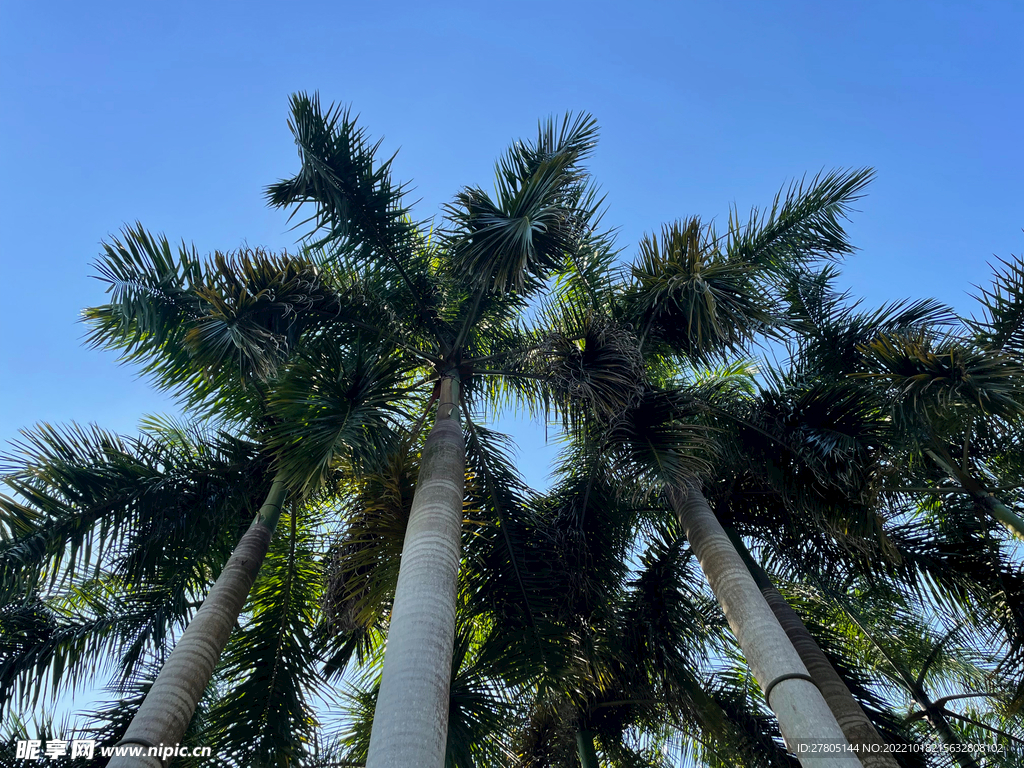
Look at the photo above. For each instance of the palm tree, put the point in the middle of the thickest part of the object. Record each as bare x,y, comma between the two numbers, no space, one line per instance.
453,301
836,433
217,334
715,322
692,298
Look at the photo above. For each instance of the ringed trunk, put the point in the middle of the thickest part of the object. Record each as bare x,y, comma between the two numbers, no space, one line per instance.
804,718
168,707
856,726
410,723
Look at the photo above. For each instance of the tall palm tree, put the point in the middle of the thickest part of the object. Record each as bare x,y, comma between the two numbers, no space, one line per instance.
220,334
455,300
822,425
914,315
693,297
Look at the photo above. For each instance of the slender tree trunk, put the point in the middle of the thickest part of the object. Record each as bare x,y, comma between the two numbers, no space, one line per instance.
165,713
945,732
856,726
410,724
999,511
804,718
587,751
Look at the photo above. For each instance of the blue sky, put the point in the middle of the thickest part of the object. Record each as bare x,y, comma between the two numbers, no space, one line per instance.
174,114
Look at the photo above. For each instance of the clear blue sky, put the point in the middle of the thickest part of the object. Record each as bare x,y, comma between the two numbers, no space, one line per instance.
174,114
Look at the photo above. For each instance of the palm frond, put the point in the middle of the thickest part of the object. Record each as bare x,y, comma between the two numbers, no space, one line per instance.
133,505
687,294
931,375
336,403
542,211
806,224
354,199
1001,326
362,562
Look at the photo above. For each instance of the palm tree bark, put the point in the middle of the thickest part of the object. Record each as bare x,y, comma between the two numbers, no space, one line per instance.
587,751
410,723
856,726
804,718
168,707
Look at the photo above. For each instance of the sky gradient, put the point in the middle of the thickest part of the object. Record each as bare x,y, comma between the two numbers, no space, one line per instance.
174,115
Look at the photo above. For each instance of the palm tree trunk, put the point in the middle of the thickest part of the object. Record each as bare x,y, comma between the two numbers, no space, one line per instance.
168,707
804,718
587,751
856,726
410,724
999,511
941,725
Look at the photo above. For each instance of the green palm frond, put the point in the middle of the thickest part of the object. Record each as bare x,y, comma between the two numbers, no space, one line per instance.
591,275
113,544
480,708
955,561
914,656
150,289
102,627
542,211
831,333
659,439
1001,326
336,403
41,725
691,296
805,224
664,621
42,649
832,428
354,198
741,732
362,562
589,367
91,498
802,459
497,498
214,331
546,737
931,375
256,305
152,305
